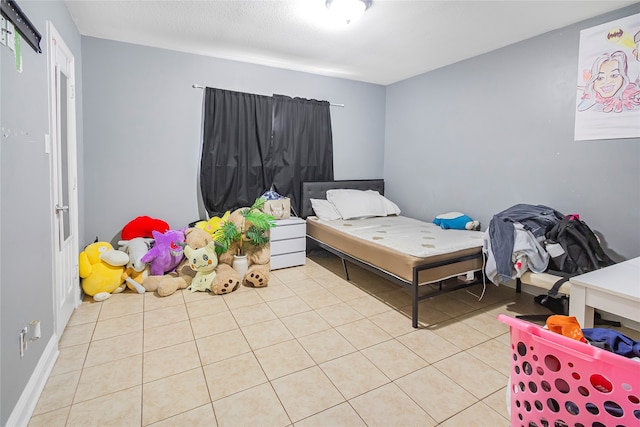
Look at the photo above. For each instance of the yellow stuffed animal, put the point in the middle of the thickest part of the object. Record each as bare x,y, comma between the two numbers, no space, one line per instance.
203,261
101,268
213,225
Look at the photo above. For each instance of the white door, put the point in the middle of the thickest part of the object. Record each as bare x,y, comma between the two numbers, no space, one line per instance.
64,189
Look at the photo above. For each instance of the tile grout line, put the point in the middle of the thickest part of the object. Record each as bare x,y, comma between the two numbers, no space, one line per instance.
493,304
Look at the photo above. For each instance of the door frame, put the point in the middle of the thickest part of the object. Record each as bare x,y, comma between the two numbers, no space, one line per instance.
61,317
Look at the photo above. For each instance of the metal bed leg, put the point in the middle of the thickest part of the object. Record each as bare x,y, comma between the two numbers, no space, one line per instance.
414,308
414,304
344,266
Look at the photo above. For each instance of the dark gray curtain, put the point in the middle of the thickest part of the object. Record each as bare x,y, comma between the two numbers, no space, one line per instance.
302,145
253,142
236,143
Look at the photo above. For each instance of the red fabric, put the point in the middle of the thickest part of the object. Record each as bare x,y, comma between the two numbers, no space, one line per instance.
143,226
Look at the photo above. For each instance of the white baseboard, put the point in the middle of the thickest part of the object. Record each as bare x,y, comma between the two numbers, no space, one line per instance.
23,410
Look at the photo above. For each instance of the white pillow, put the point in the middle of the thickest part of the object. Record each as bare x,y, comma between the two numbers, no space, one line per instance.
357,203
392,208
324,209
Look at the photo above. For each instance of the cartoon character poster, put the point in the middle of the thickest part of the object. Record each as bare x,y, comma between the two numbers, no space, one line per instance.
608,100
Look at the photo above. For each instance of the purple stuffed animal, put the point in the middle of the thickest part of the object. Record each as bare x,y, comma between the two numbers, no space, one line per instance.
166,253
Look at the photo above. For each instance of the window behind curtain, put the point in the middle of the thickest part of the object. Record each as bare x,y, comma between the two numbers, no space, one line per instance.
236,139
251,142
302,145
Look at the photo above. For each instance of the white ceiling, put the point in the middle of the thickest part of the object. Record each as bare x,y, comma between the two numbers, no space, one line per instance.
394,40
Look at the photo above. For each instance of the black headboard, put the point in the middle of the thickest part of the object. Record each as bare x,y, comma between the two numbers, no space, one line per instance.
318,190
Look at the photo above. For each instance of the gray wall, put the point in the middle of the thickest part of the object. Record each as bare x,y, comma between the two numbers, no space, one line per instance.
477,136
143,124
26,287
484,134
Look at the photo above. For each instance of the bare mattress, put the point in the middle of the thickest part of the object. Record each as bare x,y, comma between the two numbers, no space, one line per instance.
398,244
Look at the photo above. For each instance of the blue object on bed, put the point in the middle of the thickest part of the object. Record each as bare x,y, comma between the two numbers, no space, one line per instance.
457,221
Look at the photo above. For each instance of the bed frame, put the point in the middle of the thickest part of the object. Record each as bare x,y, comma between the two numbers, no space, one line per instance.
317,190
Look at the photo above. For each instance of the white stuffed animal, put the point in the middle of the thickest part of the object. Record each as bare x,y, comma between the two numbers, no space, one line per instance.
136,270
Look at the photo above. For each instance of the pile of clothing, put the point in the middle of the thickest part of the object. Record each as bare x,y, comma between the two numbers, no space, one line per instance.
604,338
513,243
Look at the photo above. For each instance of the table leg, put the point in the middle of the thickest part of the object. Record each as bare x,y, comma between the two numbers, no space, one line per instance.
578,306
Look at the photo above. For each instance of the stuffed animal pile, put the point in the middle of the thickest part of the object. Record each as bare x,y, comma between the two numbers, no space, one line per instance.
181,278
152,257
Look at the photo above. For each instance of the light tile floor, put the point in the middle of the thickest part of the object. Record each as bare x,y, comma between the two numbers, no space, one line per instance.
311,349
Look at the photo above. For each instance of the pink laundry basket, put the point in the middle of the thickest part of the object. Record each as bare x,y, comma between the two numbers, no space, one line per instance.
557,381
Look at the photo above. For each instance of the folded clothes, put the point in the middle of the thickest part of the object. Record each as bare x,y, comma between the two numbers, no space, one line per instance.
612,340
272,195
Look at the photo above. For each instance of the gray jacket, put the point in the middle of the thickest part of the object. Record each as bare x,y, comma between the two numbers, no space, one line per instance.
536,219
526,248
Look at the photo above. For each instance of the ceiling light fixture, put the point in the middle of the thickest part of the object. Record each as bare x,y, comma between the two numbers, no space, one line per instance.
348,10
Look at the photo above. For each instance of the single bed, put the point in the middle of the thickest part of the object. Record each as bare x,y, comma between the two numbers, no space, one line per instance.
422,253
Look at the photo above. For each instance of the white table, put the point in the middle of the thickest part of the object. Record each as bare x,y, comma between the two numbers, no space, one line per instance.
614,289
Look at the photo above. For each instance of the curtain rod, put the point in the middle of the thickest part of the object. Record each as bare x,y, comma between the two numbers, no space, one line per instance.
197,86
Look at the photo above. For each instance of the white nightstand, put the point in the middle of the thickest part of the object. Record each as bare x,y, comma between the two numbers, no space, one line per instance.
288,243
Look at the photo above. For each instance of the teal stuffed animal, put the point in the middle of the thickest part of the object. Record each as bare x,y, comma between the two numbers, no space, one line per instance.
456,221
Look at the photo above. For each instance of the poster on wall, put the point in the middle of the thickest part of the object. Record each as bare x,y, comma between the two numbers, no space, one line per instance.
608,98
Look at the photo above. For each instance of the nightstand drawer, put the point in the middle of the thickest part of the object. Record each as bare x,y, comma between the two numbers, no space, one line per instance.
280,247
287,260
288,229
